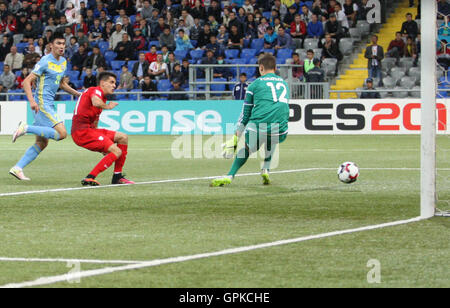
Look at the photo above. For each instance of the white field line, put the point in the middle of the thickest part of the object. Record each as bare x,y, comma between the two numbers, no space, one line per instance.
32,192
108,270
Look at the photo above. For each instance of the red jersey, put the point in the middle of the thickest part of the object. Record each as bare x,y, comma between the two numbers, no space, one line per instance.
85,114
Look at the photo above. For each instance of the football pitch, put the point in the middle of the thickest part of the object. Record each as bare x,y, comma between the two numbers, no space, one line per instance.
173,230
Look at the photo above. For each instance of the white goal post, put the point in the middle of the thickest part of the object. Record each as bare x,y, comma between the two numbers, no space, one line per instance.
428,97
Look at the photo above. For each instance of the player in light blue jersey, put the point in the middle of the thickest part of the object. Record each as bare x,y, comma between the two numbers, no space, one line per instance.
47,74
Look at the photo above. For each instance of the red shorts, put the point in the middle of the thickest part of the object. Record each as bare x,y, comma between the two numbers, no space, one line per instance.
96,140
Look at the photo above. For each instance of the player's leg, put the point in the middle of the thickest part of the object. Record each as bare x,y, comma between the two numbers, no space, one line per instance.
122,143
30,155
108,160
271,144
46,124
251,146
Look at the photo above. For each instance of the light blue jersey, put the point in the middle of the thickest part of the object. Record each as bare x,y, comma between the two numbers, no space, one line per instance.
50,72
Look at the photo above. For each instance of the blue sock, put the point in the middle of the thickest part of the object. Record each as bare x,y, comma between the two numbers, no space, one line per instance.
42,131
31,154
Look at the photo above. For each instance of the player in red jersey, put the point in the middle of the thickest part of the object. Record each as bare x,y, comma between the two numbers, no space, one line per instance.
113,145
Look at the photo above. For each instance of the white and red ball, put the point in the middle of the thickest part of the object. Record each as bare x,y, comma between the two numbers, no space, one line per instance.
348,172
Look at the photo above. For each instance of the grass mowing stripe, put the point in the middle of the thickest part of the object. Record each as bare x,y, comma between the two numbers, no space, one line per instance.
109,270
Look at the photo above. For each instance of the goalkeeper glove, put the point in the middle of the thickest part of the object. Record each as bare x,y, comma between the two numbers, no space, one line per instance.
229,147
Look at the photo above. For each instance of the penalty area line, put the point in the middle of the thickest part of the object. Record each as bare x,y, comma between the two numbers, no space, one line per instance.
147,264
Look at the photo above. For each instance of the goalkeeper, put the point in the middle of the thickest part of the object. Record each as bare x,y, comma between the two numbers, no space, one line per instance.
264,121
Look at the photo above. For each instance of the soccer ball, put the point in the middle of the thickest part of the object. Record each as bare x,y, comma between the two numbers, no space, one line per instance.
348,172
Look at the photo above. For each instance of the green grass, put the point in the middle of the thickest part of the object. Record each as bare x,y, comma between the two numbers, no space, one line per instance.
176,219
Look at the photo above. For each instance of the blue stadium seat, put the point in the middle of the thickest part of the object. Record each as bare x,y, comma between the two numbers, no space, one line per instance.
164,85
134,96
257,44
249,71
180,54
194,43
248,53
18,73
197,54
271,51
131,64
284,53
201,87
231,53
132,19
104,46
1,66
218,87
21,47
78,83
156,43
117,65
267,15
73,75
110,56
16,97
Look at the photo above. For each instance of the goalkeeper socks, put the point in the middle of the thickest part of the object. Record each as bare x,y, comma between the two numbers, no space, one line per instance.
120,162
42,131
241,158
31,154
104,164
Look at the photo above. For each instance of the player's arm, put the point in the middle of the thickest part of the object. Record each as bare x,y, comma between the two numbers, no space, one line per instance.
65,87
98,102
27,85
246,111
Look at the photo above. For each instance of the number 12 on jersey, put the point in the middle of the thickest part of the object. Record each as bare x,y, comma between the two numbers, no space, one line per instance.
274,88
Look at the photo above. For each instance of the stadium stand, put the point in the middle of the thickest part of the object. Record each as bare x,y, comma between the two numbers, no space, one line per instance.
192,47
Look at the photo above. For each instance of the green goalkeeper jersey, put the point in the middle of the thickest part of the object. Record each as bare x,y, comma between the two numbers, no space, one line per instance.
266,106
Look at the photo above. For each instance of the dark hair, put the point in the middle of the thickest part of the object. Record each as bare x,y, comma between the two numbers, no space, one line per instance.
57,36
243,74
103,76
310,51
268,61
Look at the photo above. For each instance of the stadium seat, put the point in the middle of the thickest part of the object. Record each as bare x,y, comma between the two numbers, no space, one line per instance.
271,51
249,71
400,94
18,73
248,53
406,63
355,33
131,64
104,46
78,83
284,53
1,66
231,53
116,65
164,85
317,53
218,87
110,56
364,27
329,66
302,53
73,75
414,72
384,94
416,93
267,15
180,54
387,64
310,43
257,44
407,82
21,47
389,82
16,97
196,54
297,42
194,43
154,43
200,87
346,46
397,73
134,96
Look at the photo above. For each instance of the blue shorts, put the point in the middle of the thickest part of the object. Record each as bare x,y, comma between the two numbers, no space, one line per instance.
46,116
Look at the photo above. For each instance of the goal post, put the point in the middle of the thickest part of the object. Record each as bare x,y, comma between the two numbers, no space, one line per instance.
428,98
